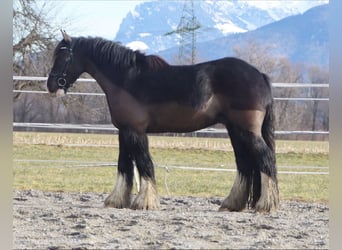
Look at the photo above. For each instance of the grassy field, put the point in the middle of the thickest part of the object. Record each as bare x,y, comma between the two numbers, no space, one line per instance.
79,162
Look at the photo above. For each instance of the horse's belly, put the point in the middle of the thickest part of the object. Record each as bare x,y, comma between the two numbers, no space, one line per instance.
178,118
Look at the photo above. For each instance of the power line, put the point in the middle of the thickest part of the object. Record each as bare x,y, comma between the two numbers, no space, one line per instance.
187,27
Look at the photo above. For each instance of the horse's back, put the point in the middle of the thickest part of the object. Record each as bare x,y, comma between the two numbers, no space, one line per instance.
232,70
233,79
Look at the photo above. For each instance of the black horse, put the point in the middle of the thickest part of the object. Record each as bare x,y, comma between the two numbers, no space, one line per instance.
146,95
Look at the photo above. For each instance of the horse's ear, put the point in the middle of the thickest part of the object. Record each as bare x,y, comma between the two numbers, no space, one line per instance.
66,37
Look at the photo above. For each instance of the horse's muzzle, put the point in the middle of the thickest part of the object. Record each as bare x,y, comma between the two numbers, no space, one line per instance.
60,92
55,90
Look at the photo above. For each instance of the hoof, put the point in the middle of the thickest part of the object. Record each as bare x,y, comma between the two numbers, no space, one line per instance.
237,199
121,195
145,204
116,201
232,205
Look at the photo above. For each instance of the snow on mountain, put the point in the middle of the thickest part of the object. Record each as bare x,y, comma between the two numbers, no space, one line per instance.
137,45
152,22
302,38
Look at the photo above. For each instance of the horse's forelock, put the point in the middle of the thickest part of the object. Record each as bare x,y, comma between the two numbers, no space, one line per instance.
58,47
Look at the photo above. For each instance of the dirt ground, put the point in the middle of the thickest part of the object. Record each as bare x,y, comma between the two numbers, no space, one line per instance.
48,220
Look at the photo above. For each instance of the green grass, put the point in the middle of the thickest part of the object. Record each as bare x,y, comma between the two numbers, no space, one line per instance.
166,151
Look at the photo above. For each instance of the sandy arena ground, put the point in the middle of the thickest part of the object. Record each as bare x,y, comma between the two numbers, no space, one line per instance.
48,220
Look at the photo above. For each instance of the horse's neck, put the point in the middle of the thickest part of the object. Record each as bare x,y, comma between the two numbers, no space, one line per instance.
105,83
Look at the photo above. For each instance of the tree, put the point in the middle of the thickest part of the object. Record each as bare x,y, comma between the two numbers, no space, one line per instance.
279,69
33,43
34,36
290,115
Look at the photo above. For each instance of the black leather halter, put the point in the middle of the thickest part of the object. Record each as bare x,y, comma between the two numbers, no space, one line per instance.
61,77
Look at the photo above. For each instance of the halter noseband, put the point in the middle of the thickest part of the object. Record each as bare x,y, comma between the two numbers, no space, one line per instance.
61,80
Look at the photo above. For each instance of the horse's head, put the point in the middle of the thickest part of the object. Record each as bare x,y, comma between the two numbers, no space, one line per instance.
65,70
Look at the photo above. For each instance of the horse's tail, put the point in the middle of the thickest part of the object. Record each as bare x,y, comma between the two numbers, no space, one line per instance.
268,134
268,123
268,127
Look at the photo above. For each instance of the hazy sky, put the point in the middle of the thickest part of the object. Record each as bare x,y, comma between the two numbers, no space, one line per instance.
95,18
103,18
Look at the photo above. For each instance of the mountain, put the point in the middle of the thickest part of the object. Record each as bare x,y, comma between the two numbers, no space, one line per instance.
302,38
149,23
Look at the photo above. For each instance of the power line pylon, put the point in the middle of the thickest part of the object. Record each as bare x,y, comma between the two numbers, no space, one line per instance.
186,29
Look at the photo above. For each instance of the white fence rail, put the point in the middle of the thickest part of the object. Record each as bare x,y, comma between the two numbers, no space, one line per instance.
99,128
301,170
110,128
282,85
102,94
80,164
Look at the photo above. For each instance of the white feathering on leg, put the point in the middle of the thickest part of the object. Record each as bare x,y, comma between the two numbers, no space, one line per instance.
121,195
237,199
269,198
148,198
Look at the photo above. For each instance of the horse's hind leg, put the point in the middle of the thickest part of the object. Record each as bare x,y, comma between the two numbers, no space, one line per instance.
265,184
121,194
257,175
238,197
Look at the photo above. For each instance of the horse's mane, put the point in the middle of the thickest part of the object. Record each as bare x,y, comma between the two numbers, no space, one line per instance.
155,62
109,52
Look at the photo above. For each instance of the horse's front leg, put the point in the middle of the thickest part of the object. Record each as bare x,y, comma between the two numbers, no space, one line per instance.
147,197
121,194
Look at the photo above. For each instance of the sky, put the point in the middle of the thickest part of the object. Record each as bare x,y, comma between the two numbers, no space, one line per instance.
94,18
103,18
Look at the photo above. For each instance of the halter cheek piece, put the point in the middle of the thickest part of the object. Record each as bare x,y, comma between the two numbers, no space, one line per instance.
61,77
